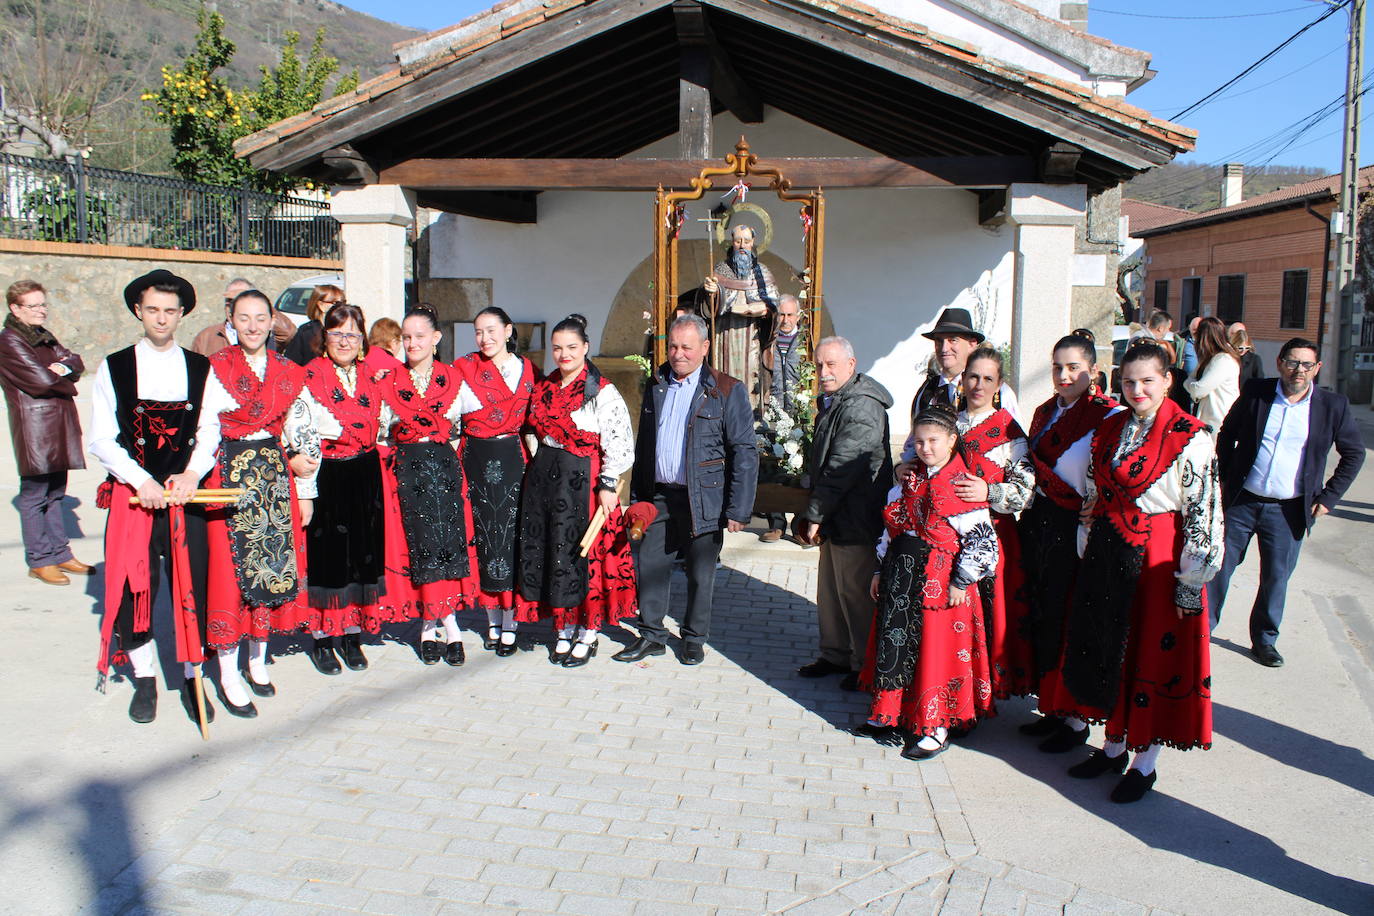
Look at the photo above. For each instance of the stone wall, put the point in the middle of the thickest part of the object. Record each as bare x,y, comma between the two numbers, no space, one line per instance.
86,287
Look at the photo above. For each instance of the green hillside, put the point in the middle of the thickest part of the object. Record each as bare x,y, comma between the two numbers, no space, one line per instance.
1198,187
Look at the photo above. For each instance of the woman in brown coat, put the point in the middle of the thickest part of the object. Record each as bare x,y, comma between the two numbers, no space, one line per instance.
39,377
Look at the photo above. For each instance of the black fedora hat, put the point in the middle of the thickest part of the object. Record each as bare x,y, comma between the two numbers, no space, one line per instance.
185,291
954,323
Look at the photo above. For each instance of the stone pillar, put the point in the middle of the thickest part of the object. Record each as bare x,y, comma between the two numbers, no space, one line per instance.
1045,217
375,219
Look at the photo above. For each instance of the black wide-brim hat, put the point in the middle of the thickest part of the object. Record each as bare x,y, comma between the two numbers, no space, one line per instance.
954,323
185,291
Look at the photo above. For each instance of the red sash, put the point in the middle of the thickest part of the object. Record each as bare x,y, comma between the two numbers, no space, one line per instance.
551,409
1119,487
1049,445
359,415
262,403
999,428
503,411
422,417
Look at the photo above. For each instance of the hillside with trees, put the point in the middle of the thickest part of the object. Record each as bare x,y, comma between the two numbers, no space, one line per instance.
1198,187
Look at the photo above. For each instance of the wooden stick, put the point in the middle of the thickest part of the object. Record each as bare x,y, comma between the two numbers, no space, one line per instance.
593,530
200,497
200,707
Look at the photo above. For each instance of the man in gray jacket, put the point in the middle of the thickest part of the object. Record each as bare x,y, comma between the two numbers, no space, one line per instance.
851,472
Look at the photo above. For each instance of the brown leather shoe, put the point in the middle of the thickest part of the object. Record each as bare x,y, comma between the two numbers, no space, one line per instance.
768,537
49,574
76,566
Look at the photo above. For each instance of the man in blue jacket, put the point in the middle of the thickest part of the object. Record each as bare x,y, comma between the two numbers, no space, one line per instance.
696,460
1272,452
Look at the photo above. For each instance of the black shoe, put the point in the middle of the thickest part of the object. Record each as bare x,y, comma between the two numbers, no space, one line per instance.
326,662
492,639
1098,764
913,750
821,667
691,653
1064,740
143,707
454,654
1268,656
351,645
429,651
247,711
850,682
639,650
188,703
1041,727
556,657
572,660
263,690
1133,787
507,649
887,735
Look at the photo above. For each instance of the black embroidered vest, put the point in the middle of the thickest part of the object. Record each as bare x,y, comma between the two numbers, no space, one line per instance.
159,435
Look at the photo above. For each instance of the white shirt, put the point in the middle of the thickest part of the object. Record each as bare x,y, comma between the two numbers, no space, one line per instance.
511,370
1215,389
1072,466
1275,471
607,415
161,377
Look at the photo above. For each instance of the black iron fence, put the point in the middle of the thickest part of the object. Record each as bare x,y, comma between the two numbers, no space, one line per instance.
59,200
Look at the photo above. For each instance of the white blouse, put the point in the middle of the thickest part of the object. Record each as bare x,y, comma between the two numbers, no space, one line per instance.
309,413
1215,389
1014,493
978,550
1072,466
510,371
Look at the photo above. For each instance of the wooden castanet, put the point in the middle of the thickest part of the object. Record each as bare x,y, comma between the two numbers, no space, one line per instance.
593,530
203,496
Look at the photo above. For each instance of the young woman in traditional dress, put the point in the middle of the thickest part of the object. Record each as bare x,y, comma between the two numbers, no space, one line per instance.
427,575
345,538
1060,449
254,582
584,443
1137,643
495,401
928,655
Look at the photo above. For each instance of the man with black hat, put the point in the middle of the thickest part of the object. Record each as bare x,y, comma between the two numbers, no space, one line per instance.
149,432
955,338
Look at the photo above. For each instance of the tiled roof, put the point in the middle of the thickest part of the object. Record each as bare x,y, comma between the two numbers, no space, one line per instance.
1145,215
1307,191
511,17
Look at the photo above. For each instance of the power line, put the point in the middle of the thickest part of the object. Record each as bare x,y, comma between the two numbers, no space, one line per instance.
1235,95
1291,9
1250,69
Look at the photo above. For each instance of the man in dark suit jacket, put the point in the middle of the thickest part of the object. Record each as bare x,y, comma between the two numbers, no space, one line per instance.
696,460
1272,451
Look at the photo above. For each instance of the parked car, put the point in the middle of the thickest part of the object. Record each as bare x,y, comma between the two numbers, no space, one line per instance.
292,300
1121,335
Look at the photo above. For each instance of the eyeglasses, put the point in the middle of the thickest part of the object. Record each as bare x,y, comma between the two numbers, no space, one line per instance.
37,307
1293,365
344,337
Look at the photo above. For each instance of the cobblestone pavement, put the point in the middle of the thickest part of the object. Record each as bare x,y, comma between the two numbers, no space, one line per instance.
728,788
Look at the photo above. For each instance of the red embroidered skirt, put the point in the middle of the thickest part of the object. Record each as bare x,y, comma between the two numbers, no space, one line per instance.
1009,647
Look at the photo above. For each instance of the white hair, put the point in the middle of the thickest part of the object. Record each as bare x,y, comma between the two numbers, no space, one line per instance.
845,346
788,297
692,321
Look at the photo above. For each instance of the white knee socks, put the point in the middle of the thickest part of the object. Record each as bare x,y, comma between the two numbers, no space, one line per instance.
229,680
1076,724
257,661
452,632
1144,761
428,630
933,742
508,620
1114,749
142,659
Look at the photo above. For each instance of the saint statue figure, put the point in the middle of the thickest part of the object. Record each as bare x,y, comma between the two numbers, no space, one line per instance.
745,298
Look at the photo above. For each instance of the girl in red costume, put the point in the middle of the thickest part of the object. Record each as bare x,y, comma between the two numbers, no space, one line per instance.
1137,643
1060,449
495,400
427,575
585,443
254,581
928,661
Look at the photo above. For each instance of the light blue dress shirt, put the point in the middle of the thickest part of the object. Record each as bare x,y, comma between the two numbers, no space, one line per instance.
1275,473
670,456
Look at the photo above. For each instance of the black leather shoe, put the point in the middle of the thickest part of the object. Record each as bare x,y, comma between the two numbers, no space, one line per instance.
850,682
821,667
887,735
1133,787
507,649
639,650
247,711
1268,656
1098,764
454,654
326,662
913,750
143,707
429,652
556,657
692,653
1064,740
351,645
188,703
1041,727
572,660
492,639
263,690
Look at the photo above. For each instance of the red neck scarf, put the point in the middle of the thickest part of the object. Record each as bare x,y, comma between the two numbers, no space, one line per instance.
422,417
1049,445
503,411
358,414
262,403
1119,487
551,409
926,505
998,428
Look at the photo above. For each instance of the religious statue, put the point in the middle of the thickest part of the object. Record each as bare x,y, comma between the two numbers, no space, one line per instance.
744,297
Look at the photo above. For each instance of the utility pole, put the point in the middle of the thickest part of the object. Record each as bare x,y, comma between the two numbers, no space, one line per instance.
1345,319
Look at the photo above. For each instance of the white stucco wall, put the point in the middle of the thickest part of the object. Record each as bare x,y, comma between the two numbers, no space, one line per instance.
893,259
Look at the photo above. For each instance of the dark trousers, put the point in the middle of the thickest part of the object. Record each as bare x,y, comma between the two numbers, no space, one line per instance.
777,522
1246,518
670,535
160,556
40,519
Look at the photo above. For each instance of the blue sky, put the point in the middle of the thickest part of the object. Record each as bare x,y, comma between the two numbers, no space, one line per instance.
1261,120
